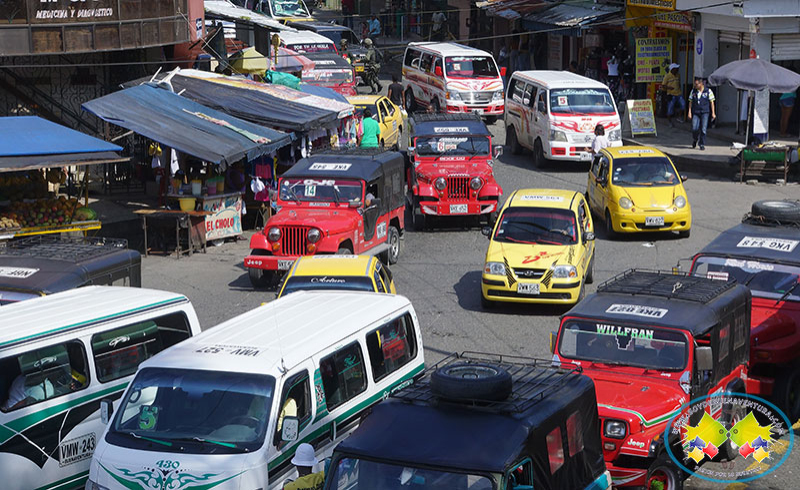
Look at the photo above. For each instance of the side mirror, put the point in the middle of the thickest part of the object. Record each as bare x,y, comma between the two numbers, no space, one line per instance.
684,178
106,410
438,71
355,203
704,359
588,236
486,231
290,429
503,71
497,151
600,180
553,338
410,149
376,202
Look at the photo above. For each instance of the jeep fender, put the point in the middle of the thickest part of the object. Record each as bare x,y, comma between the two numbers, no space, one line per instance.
491,189
425,190
259,240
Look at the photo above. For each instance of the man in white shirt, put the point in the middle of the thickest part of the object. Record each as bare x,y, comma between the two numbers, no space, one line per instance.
20,395
600,139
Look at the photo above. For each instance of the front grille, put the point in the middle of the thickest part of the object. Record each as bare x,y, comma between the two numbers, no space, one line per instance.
513,294
294,240
477,97
458,187
528,273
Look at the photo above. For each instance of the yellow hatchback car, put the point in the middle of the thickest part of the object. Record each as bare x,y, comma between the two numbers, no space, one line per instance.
388,115
341,272
637,188
541,249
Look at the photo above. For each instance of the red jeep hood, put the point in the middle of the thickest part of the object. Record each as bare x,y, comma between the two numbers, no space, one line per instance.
628,392
333,220
450,167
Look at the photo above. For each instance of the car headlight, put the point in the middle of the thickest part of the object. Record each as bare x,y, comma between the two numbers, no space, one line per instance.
453,96
314,235
565,272
90,485
625,203
497,95
274,234
615,135
475,183
495,268
440,183
615,429
680,202
556,135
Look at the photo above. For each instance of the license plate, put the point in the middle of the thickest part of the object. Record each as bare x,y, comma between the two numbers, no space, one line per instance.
458,209
654,221
531,288
477,111
285,265
359,68
77,449
586,157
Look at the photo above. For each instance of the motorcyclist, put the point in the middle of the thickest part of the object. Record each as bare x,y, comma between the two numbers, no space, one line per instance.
371,66
344,50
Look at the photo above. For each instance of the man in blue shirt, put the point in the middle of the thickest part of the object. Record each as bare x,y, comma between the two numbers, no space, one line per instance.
374,27
701,107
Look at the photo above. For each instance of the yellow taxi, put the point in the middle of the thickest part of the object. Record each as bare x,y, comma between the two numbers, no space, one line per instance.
348,272
637,188
388,115
541,249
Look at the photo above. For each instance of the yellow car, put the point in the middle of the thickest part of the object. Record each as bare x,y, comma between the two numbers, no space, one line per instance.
348,272
541,249
637,188
388,115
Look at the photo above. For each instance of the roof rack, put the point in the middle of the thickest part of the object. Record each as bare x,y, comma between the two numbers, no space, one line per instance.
367,152
757,219
532,381
73,249
425,117
671,285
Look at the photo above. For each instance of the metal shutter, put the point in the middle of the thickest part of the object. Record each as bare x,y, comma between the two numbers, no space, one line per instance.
785,47
734,37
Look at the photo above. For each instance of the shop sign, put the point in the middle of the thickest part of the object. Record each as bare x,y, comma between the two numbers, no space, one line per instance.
71,11
653,4
225,219
554,57
653,56
677,21
594,40
642,118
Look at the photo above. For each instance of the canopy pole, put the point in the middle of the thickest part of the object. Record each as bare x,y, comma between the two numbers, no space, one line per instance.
749,117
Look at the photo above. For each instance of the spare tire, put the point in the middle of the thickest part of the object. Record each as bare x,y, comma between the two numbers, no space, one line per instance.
784,210
471,381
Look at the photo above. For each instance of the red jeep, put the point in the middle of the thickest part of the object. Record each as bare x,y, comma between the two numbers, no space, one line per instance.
346,202
652,342
763,253
451,168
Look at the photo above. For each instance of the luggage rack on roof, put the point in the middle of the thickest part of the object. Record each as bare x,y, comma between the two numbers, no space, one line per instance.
73,249
532,380
367,152
672,285
426,117
757,219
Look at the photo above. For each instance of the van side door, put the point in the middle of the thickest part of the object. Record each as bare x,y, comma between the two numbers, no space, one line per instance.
541,119
295,401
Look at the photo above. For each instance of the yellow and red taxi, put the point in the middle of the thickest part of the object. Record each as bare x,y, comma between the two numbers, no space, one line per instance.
346,272
389,117
637,188
541,249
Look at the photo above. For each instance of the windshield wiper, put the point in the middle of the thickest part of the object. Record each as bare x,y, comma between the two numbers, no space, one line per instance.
201,440
787,293
336,194
293,194
151,439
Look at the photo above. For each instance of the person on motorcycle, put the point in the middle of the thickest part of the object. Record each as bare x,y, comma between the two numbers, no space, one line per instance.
371,67
344,51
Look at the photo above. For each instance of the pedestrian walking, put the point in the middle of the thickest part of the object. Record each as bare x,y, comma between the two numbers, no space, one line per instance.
371,131
371,67
672,86
701,109
437,30
787,105
396,91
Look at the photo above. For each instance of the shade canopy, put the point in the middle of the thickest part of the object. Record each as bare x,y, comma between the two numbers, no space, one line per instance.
185,125
289,61
756,74
249,60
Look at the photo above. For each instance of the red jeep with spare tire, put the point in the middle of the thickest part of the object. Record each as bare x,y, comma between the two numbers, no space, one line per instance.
339,202
763,253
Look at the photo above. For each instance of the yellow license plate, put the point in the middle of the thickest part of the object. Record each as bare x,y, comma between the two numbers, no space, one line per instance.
359,68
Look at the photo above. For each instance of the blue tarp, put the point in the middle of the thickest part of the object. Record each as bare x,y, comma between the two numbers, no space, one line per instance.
31,135
183,124
326,92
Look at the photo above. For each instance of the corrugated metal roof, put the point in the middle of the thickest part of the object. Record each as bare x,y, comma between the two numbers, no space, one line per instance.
227,10
572,15
512,9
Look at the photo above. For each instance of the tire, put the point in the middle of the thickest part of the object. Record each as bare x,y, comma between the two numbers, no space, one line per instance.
491,120
730,415
471,381
785,210
663,470
786,394
410,102
491,219
394,246
437,108
539,161
610,233
590,274
260,278
511,141
685,234
344,251
418,220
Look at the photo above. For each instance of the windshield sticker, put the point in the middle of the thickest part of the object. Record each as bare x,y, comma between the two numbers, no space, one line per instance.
337,167
450,129
319,204
311,190
631,152
327,280
17,272
541,198
562,100
234,350
457,66
749,265
777,244
148,416
638,310
624,335
717,276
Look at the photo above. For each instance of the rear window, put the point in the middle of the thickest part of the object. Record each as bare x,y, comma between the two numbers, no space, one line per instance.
350,283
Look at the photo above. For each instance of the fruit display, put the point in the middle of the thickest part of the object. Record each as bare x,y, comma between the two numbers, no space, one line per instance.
18,186
9,224
46,212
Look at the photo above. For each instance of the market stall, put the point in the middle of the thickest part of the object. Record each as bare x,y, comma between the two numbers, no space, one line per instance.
35,158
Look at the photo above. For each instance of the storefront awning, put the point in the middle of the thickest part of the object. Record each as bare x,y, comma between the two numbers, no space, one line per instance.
185,125
572,18
225,10
511,9
31,142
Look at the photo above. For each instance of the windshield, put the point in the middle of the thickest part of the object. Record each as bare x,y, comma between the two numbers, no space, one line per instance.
584,101
452,145
312,48
649,172
322,190
470,67
350,283
631,345
8,297
765,279
537,225
289,8
195,411
352,473
336,76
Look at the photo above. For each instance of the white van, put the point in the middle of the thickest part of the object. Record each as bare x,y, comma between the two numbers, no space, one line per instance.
452,78
59,355
306,42
554,113
228,408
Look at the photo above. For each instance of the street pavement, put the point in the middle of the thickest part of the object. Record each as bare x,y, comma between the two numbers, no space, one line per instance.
440,270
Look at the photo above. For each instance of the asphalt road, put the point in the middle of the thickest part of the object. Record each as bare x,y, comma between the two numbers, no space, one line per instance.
439,271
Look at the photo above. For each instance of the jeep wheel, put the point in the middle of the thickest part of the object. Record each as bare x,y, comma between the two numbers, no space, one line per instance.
730,415
393,241
787,392
778,210
260,278
539,160
411,104
437,108
663,475
471,381
512,142
418,220
344,251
